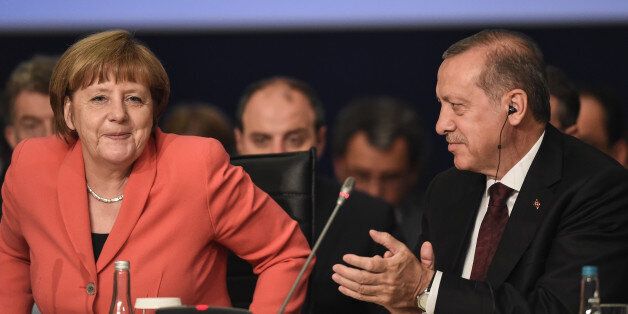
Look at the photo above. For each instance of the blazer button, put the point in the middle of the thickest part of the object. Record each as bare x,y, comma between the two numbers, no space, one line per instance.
91,288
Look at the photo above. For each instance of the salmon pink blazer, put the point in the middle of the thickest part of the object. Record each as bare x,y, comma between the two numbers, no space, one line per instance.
184,207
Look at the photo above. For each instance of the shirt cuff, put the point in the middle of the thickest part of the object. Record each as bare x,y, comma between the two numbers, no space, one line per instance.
431,298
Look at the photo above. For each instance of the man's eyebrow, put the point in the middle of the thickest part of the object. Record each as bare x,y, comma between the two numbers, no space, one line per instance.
296,131
29,118
260,134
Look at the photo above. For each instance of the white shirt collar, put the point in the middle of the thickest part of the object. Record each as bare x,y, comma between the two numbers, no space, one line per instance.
516,175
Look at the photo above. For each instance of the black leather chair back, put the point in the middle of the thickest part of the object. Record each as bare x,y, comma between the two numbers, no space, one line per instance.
289,179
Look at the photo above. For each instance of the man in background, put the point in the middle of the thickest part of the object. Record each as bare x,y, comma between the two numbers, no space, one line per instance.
564,101
27,111
378,141
200,119
601,123
28,104
282,114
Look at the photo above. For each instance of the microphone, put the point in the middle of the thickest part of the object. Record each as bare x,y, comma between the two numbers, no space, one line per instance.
345,192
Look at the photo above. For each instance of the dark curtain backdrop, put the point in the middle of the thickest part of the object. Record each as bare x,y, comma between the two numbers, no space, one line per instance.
340,65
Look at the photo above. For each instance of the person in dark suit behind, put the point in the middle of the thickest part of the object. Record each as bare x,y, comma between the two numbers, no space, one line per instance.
378,140
282,114
601,123
507,230
564,101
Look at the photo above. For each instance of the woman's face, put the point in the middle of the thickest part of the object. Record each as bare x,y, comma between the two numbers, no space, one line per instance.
113,121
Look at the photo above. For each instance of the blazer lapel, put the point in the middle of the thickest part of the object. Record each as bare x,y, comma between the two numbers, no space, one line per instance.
459,226
135,195
534,199
72,194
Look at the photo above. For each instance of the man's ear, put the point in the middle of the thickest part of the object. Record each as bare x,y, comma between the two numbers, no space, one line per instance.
67,113
9,135
238,140
321,141
517,99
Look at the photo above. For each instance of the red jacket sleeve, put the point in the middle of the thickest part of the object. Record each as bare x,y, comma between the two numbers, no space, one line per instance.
15,290
249,223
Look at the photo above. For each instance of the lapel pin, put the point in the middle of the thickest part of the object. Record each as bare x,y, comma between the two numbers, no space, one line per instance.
537,203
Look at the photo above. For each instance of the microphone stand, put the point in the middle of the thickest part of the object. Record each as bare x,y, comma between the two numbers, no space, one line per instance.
347,186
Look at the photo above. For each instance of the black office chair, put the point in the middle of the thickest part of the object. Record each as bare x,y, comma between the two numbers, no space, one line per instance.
289,179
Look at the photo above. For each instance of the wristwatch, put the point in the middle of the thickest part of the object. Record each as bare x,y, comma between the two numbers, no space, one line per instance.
421,299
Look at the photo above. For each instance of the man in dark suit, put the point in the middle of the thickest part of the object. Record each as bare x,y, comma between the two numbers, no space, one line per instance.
282,114
509,228
601,122
564,101
378,140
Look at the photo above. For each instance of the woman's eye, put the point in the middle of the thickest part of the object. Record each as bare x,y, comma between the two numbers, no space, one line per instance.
135,99
98,98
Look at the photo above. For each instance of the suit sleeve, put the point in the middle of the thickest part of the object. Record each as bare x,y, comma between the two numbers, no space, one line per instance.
249,223
15,290
591,230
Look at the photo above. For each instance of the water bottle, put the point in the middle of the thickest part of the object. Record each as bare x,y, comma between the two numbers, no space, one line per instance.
589,291
121,299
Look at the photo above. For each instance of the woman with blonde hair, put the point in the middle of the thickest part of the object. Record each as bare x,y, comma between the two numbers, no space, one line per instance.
111,186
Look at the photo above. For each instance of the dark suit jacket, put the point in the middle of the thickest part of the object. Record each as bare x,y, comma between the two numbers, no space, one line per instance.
582,220
347,234
408,218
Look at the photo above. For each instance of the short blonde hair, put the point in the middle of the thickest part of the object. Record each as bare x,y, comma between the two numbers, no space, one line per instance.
93,59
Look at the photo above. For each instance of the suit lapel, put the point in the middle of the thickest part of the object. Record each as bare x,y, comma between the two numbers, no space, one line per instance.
135,195
534,199
462,221
72,194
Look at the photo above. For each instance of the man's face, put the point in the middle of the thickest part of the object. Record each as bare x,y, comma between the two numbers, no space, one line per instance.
380,173
591,122
278,119
32,117
468,118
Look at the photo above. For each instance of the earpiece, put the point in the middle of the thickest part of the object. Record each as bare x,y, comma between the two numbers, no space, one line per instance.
511,110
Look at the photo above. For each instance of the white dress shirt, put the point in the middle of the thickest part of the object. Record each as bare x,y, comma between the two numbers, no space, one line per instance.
513,179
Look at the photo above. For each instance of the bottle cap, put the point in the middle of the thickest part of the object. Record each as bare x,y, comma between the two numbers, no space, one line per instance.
121,265
589,270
